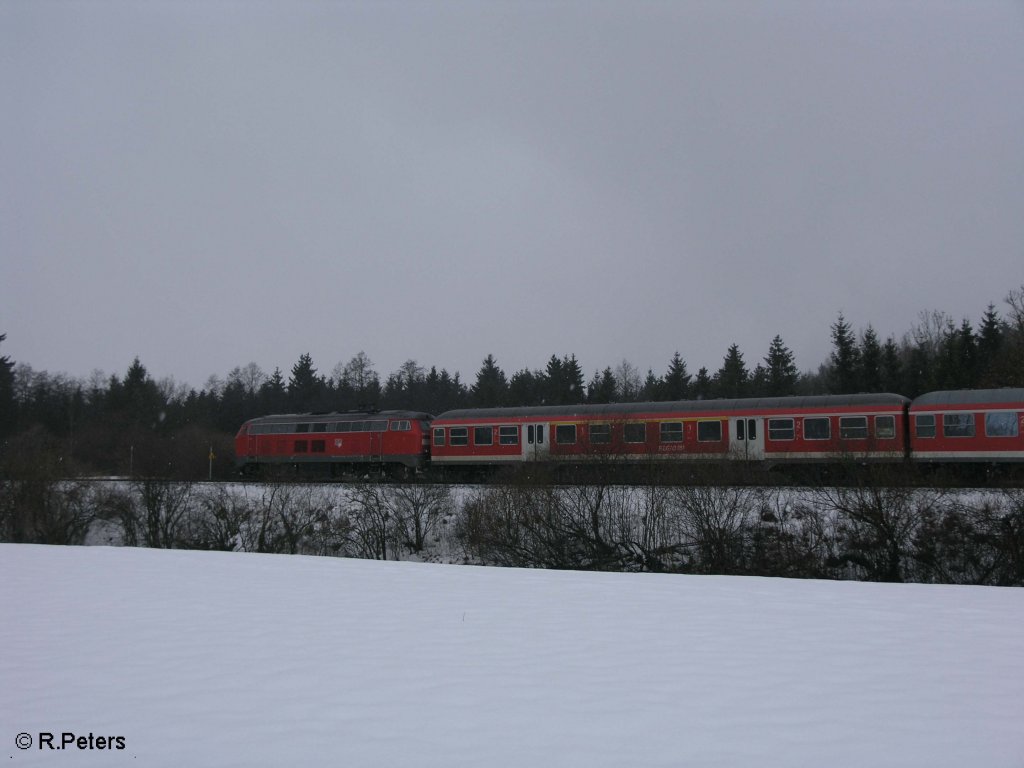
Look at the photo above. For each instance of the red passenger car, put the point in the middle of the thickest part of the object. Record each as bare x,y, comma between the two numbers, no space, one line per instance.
395,441
978,425
779,430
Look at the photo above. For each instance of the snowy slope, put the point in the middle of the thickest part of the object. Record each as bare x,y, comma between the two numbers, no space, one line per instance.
254,660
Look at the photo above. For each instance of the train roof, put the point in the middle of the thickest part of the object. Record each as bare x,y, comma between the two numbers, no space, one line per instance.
342,416
970,397
675,406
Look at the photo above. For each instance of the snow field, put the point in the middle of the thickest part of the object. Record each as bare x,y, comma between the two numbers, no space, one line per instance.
226,659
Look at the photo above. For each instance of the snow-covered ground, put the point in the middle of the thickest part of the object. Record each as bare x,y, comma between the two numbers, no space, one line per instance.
222,659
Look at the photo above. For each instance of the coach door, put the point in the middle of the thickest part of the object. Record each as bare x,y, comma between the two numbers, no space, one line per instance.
747,437
535,441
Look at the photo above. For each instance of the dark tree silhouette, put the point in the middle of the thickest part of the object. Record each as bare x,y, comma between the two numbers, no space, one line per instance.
491,388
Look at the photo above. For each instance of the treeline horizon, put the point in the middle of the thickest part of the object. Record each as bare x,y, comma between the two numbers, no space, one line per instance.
134,424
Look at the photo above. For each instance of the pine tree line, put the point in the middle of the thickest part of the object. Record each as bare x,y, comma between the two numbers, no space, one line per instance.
129,423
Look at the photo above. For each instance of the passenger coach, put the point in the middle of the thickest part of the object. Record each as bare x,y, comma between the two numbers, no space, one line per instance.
778,430
975,425
392,441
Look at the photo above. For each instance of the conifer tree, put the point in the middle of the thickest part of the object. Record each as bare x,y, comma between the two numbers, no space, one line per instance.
304,386
526,388
780,373
491,388
892,367
870,358
732,379
702,385
845,363
7,404
990,342
603,388
676,384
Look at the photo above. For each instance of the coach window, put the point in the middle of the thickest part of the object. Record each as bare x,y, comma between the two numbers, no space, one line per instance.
508,435
924,425
672,432
885,427
709,431
635,433
781,429
483,436
565,434
439,436
817,429
458,436
1001,425
853,427
958,424
600,434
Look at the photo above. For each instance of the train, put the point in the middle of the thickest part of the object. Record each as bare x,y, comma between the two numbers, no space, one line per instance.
962,427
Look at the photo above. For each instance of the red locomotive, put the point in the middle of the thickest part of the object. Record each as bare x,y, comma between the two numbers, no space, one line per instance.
393,441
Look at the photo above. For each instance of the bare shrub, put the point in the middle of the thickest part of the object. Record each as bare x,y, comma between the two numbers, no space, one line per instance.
876,526
153,511
418,510
974,541
790,538
715,523
216,519
282,519
584,527
36,506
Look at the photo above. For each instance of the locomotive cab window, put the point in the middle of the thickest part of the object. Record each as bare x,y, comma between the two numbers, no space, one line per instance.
1001,425
458,436
818,428
565,434
924,425
958,424
853,427
483,435
401,426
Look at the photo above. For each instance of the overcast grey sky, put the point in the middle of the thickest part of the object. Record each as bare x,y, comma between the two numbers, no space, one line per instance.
205,184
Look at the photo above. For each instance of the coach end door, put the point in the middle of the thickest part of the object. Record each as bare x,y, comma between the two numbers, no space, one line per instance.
536,442
747,437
